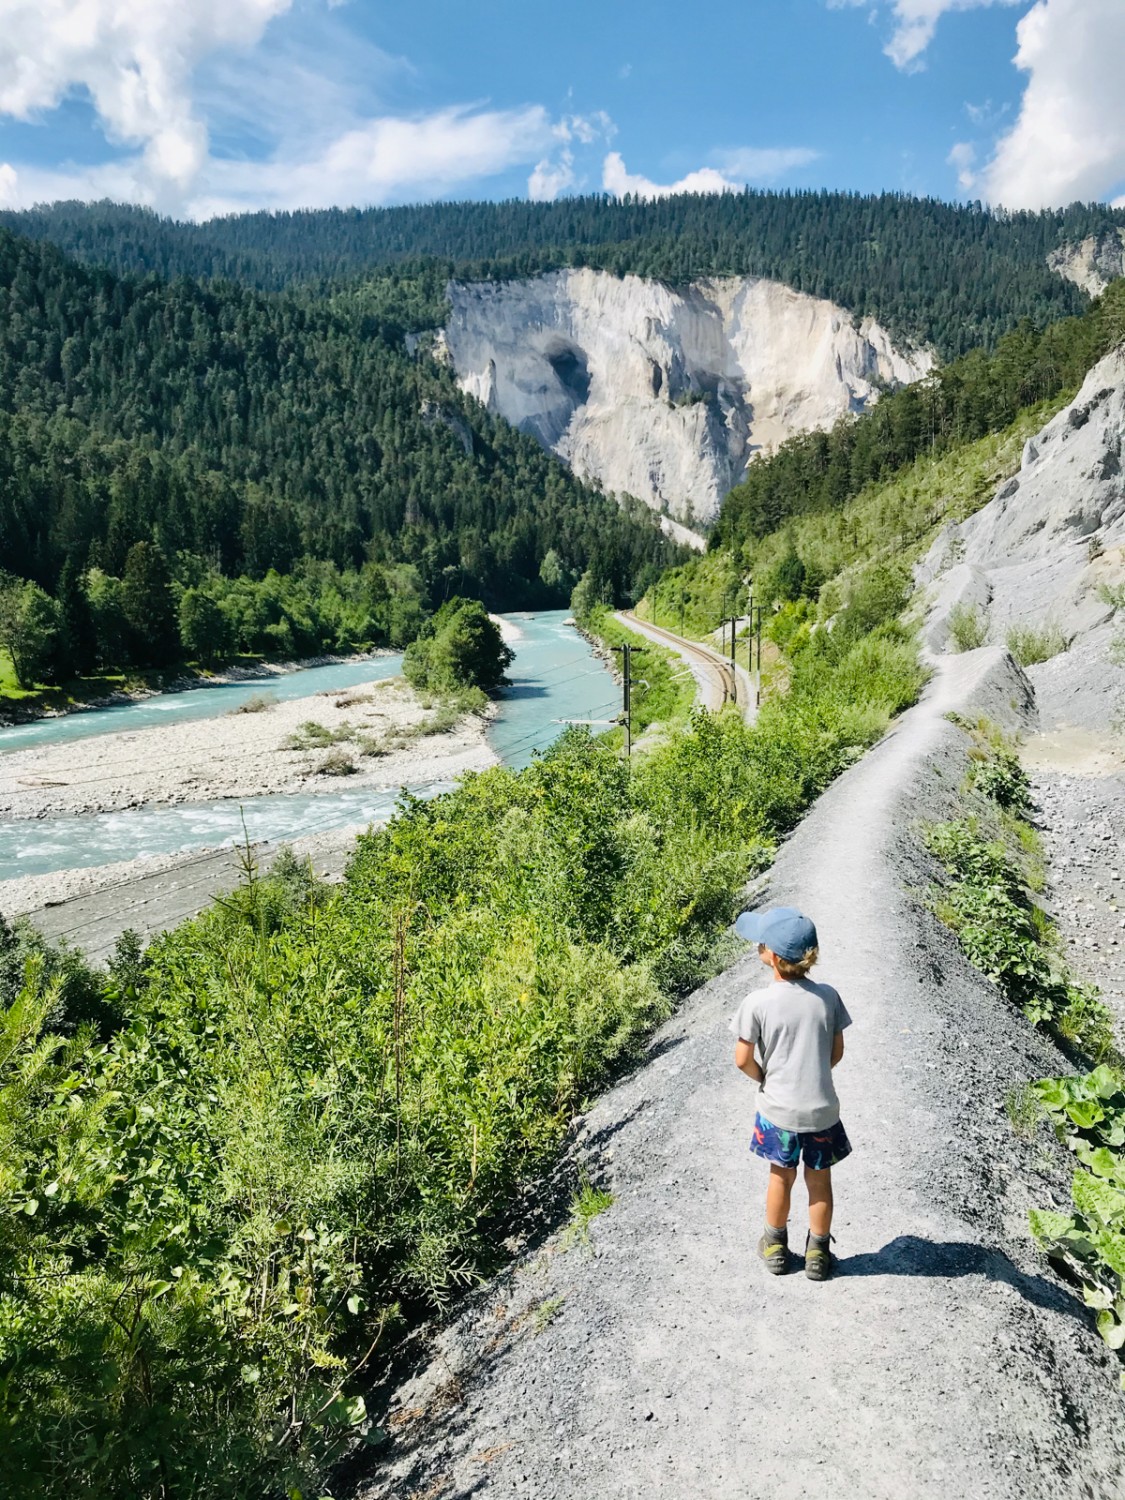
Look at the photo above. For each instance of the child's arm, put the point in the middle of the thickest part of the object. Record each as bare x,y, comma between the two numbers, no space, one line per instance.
745,1062
837,1048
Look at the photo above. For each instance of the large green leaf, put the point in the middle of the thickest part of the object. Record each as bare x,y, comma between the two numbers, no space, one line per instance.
1110,1245
1099,1200
1102,1162
1111,1329
1048,1226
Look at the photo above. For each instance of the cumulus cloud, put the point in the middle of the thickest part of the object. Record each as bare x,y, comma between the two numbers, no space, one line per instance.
731,172
1068,141
550,178
915,24
165,78
383,159
135,59
557,174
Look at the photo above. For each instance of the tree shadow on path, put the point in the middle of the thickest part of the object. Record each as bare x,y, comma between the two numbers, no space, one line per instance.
910,1255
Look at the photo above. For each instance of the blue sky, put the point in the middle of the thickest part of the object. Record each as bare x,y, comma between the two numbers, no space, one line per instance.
204,106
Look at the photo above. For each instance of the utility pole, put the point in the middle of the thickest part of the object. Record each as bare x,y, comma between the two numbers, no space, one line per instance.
756,633
683,596
627,654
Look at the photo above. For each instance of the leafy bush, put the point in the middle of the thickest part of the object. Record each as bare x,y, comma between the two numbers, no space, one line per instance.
968,627
1030,644
1088,1114
986,901
1000,777
337,763
461,647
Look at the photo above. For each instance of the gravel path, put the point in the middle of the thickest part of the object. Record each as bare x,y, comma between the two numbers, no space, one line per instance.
944,1361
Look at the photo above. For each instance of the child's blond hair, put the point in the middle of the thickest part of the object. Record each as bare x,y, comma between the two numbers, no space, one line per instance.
796,968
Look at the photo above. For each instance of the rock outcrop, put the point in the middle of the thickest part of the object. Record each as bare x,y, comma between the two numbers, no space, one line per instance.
1048,552
1092,263
664,393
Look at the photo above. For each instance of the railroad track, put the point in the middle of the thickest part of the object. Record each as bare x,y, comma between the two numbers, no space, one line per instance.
717,681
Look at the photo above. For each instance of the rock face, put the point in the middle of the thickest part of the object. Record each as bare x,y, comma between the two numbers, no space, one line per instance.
1093,263
663,393
1049,551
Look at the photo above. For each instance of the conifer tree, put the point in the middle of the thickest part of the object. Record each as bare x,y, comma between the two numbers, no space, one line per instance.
149,606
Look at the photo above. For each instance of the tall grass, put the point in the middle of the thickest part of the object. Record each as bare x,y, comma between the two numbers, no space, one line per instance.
1031,644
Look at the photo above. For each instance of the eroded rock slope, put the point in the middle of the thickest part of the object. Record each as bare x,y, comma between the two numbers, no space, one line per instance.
666,393
1048,550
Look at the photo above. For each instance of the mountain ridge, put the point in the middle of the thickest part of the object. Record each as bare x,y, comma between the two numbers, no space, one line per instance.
956,276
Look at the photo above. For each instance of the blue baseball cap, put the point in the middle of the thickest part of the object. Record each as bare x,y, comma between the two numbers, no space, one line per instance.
782,929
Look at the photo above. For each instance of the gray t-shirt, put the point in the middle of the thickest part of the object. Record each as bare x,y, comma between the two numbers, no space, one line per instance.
793,1024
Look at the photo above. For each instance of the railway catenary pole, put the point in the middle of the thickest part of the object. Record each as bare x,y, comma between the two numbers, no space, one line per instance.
627,654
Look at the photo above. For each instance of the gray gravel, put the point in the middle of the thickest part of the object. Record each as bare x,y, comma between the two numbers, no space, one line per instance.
945,1360
1082,820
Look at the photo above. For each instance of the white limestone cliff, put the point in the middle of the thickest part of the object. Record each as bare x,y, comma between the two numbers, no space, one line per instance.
1092,263
666,393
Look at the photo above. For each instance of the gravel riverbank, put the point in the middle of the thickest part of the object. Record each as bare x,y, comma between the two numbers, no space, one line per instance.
244,755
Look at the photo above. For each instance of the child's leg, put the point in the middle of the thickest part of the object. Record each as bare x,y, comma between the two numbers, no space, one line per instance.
778,1193
819,1184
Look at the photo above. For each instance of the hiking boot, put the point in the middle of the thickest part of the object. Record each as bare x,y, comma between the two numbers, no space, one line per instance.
773,1252
819,1260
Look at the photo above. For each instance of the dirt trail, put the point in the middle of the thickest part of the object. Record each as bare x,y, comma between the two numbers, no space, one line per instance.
944,1361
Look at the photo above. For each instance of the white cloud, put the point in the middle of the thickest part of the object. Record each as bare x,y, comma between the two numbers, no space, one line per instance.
166,78
963,156
379,161
1068,141
550,178
915,24
763,163
731,172
383,159
135,59
617,180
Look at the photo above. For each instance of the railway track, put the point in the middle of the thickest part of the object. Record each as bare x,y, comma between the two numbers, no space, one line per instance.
717,682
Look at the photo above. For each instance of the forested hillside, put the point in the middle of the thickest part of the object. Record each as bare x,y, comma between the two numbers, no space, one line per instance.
951,275
252,430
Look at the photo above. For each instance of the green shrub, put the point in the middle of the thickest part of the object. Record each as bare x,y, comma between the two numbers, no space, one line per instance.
1031,644
461,647
968,627
313,736
337,763
1088,1114
1001,777
260,703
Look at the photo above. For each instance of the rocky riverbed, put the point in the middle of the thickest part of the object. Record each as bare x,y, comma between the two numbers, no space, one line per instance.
376,734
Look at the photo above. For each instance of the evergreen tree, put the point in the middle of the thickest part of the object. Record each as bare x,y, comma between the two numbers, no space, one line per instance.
78,650
150,612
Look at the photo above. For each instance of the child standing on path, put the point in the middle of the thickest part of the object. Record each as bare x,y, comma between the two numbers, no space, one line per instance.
798,1028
